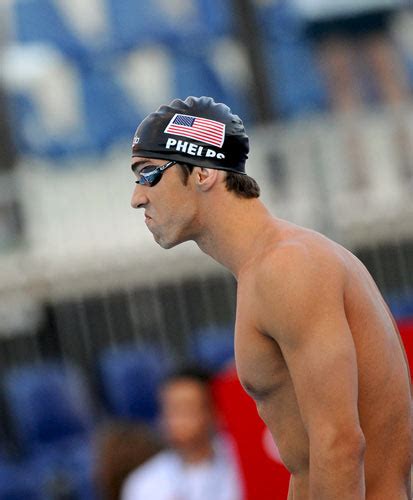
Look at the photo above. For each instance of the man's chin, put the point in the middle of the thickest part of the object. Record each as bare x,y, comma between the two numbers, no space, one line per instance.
166,245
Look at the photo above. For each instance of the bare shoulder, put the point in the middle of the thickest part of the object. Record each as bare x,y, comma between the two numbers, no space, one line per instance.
306,257
302,277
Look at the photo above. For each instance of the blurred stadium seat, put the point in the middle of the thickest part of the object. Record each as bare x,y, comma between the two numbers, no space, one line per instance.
170,22
66,469
218,17
96,110
194,73
40,21
295,79
213,347
109,116
48,403
227,60
62,110
19,482
401,305
156,74
130,377
297,86
50,411
46,101
278,20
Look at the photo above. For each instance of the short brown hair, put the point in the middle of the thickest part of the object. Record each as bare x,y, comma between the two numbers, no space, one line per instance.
243,186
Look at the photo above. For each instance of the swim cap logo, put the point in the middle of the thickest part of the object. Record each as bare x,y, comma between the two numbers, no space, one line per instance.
136,140
200,129
190,148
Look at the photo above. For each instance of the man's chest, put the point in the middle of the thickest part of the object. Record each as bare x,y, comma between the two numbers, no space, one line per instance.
260,364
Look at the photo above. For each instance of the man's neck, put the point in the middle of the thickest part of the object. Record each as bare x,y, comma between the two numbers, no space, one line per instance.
196,455
232,230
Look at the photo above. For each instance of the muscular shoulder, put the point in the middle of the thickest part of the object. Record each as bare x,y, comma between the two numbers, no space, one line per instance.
305,260
298,279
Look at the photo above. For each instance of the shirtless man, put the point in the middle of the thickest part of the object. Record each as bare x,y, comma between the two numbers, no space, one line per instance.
315,344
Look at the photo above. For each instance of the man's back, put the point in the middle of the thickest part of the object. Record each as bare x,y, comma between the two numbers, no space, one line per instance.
384,405
268,372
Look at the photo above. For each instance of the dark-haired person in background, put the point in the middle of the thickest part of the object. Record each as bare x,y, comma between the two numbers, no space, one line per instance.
315,344
198,463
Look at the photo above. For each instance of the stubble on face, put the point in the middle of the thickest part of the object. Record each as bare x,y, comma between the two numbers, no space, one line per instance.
174,212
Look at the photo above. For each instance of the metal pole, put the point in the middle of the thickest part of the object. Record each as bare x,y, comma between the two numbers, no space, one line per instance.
248,28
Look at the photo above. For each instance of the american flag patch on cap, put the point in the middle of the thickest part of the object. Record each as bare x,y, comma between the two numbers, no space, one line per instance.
194,127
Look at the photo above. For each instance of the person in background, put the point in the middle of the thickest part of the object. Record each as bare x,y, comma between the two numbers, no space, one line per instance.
351,35
356,52
198,464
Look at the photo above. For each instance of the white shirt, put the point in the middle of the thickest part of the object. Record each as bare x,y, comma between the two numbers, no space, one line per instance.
166,477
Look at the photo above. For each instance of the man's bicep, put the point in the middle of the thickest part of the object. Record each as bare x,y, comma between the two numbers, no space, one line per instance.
302,298
322,362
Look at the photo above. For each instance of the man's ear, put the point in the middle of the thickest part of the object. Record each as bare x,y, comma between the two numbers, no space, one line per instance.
205,178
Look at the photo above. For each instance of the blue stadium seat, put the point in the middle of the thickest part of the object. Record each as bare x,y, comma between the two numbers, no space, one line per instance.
135,24
40,21
130,379
106,115
401,304
184,71
19,481
66,469
195,74
213,347
218,17
278,20
48,403
31,137
109,115
297,85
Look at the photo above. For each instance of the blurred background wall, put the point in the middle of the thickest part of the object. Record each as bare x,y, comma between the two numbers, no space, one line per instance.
81,279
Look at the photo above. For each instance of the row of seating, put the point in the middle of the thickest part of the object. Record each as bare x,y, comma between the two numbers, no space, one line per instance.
52,420
60,109
122,26
53,415
96,47
90,84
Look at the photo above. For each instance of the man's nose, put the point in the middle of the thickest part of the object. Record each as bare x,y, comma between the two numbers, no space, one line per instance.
139,197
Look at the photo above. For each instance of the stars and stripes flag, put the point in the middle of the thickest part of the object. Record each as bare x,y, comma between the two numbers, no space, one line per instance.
194,127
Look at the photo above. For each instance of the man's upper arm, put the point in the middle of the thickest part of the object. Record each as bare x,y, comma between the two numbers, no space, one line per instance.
303,310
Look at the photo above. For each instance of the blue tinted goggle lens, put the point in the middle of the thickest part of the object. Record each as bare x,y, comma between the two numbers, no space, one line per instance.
152,177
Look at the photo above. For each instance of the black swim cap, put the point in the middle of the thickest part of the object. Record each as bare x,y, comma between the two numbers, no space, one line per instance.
198,131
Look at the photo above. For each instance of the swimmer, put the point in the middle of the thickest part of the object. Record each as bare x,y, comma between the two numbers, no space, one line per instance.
316,346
